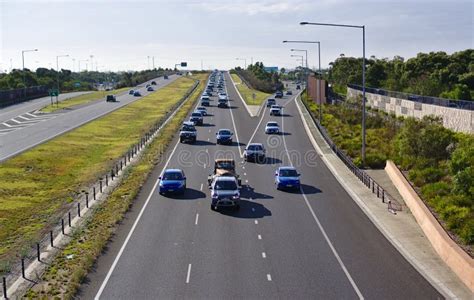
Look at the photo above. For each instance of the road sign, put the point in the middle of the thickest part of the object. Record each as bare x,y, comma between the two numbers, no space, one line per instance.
184,64
53,92
77,84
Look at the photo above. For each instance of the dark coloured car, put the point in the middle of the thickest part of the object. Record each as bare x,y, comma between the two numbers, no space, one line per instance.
172,181
196,118
289,92
150,89
279,94
153,83
270,102
111,98
254,152
222,103
224,136
187,133
298,87
165,76
131,92
137,94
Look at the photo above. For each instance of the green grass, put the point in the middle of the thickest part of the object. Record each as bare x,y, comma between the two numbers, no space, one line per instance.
248,93
82,99
40,183
63,276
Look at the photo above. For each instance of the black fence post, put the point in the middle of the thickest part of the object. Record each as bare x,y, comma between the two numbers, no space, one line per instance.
121,165
383,196
100,185
93,192
378,195
106,180
69,218
51,238
87,199
62,226
5,288
38,252
112,174
22,268
116,169
79,209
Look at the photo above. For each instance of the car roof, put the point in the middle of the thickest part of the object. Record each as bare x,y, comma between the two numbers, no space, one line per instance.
222,129
225,178
224,159
272,123
188,123
173,171
287,168
201,108
255,144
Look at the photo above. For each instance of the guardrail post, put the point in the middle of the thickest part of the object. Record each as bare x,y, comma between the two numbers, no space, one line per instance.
51,238
5,288
62,226
373,187
38,257
93,192
79,209
22,268
106,180
87,199
69,218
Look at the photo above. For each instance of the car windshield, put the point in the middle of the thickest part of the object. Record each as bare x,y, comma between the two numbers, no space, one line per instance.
201,108
272,124
288,173
172,176
255,147
224,132
226,165
188,128
225,185
196,114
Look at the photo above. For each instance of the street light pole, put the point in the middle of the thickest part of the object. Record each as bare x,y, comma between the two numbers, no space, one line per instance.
23,61
320,73
306,71
302,59
363,74
245,61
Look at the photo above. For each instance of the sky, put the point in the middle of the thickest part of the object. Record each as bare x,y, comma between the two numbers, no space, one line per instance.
121,35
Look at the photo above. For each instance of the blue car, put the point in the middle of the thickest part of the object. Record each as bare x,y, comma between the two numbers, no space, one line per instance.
224,136
287,178
172,181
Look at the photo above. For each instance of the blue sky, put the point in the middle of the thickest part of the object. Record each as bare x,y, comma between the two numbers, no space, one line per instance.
121,34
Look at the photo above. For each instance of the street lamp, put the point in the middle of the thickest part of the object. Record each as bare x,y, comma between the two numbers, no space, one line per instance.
23,60
244,59
320,74
363,74
57,72
306,70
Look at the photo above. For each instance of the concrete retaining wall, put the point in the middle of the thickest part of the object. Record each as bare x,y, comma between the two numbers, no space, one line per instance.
458,260
453,118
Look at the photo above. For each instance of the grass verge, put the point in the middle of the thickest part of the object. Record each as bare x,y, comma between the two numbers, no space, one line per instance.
251,96
42,183
82,99
63,277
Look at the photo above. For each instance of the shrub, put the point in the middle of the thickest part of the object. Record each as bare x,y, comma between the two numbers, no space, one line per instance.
426,175
375,160
432,190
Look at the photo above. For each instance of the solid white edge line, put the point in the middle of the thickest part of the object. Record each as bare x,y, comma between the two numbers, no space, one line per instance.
258,125
189,273
328,241
119,254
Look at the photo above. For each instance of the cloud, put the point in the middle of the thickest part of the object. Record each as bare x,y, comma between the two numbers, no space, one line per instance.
252,8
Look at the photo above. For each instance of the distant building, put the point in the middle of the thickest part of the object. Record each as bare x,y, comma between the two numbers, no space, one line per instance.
271,69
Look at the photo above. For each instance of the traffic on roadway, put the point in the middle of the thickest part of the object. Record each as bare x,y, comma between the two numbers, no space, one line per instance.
244,207
22,127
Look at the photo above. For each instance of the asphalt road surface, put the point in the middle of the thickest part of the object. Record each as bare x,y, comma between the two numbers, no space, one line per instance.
307,244
21,128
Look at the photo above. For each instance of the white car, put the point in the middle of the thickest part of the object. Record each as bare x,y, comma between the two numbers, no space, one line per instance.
225,192
276,110
202,109
272,128
222,96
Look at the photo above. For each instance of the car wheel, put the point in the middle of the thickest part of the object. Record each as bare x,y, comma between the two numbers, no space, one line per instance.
213,208
237,207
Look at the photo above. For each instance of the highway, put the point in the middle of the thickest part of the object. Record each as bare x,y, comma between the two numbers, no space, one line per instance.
308,244
22,128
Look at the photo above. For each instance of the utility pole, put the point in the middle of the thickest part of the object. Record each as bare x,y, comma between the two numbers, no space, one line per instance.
23,60
153,62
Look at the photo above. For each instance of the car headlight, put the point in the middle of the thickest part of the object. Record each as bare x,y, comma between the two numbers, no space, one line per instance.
236,196
215,196
161,183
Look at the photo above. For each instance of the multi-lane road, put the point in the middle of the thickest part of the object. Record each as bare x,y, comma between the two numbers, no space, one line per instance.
308,244
21,127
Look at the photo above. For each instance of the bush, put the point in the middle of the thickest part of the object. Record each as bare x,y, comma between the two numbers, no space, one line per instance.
431,190
375,160
420,177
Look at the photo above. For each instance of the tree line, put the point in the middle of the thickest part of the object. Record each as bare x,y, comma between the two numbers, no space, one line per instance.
260,79
74,81
434,74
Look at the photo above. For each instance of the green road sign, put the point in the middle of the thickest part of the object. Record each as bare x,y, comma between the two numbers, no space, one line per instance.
53,92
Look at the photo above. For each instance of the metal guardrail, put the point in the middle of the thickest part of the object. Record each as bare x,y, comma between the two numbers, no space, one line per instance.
369,182
61,222
461,104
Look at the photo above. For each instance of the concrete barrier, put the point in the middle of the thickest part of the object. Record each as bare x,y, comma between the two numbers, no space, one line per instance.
455,257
